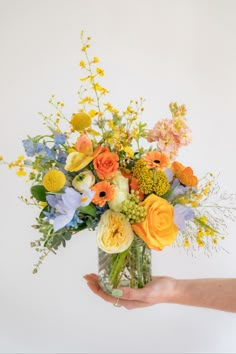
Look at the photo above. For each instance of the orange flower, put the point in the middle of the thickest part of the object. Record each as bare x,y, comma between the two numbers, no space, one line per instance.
106,164
134,185
155,159
104,192
126,173
158,229
184,174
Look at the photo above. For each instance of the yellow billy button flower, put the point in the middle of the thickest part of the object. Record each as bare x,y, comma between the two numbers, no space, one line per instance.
114,233
80,121
54,180
1,158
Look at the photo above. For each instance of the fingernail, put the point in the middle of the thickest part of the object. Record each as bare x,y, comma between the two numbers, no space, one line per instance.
117,292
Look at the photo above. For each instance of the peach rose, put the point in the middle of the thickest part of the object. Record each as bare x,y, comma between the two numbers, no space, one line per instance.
158,229
106,164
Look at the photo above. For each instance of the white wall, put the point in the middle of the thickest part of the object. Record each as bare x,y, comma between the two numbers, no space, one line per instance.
181,50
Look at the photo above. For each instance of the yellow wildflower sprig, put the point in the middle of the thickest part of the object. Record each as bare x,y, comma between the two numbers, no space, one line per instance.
98,90
20,165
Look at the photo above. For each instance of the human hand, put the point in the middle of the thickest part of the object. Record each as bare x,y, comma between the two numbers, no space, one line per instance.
159,290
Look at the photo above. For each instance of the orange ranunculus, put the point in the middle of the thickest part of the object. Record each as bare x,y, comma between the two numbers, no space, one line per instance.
106,164
184,174
158,229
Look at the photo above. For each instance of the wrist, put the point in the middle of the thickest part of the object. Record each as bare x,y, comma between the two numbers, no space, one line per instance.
175,290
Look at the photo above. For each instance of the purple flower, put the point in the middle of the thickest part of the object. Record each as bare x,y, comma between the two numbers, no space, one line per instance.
169,174
181,215
66,205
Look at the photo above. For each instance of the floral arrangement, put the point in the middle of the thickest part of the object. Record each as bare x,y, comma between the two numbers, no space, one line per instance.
92,171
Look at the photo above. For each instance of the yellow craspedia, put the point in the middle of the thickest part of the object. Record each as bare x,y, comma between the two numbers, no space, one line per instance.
161,184
80,121
54,180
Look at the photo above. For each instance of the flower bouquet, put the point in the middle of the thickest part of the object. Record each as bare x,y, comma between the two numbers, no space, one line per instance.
102,169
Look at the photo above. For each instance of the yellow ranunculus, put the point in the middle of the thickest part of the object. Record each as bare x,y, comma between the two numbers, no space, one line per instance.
158,229
114,233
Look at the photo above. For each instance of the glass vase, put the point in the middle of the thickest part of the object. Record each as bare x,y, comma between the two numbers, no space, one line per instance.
131,268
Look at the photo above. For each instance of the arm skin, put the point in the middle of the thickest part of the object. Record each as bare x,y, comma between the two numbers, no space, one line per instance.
218,294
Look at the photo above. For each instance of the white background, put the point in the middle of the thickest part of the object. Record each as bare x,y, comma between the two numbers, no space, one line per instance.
161,50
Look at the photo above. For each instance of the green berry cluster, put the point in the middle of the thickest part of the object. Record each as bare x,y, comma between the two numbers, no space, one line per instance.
132,210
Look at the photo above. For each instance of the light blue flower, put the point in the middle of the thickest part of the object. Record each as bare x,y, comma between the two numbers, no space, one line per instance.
74,222
50,215
29,147
61,157
182,214
59,138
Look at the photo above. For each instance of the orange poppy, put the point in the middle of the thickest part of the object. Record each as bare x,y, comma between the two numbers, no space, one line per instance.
104,192
155,159
184,174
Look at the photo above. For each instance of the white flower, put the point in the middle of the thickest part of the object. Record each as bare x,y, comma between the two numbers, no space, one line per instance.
121,185
83,181
114,233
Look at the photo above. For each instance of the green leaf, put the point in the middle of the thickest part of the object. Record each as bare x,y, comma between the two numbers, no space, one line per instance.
81,227
67,236
89,210
39,193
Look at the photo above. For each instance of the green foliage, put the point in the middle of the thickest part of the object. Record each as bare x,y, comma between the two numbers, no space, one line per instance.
89,210
39,192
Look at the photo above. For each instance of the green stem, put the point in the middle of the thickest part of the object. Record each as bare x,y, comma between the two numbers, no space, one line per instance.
139,267
117,267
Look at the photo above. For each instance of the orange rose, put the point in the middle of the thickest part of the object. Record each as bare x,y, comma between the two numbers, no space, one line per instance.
158,229
106,164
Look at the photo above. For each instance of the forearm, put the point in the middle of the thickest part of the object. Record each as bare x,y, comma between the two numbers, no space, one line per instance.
211,293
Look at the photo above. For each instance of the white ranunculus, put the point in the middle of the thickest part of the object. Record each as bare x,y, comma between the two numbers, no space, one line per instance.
83,181
114,234
121,185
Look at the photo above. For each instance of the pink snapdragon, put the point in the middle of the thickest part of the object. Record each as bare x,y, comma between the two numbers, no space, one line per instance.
171,134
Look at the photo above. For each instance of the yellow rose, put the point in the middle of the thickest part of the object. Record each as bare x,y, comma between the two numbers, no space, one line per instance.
114,233
158,229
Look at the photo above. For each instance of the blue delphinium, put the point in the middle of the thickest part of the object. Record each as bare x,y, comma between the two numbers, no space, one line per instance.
59,138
